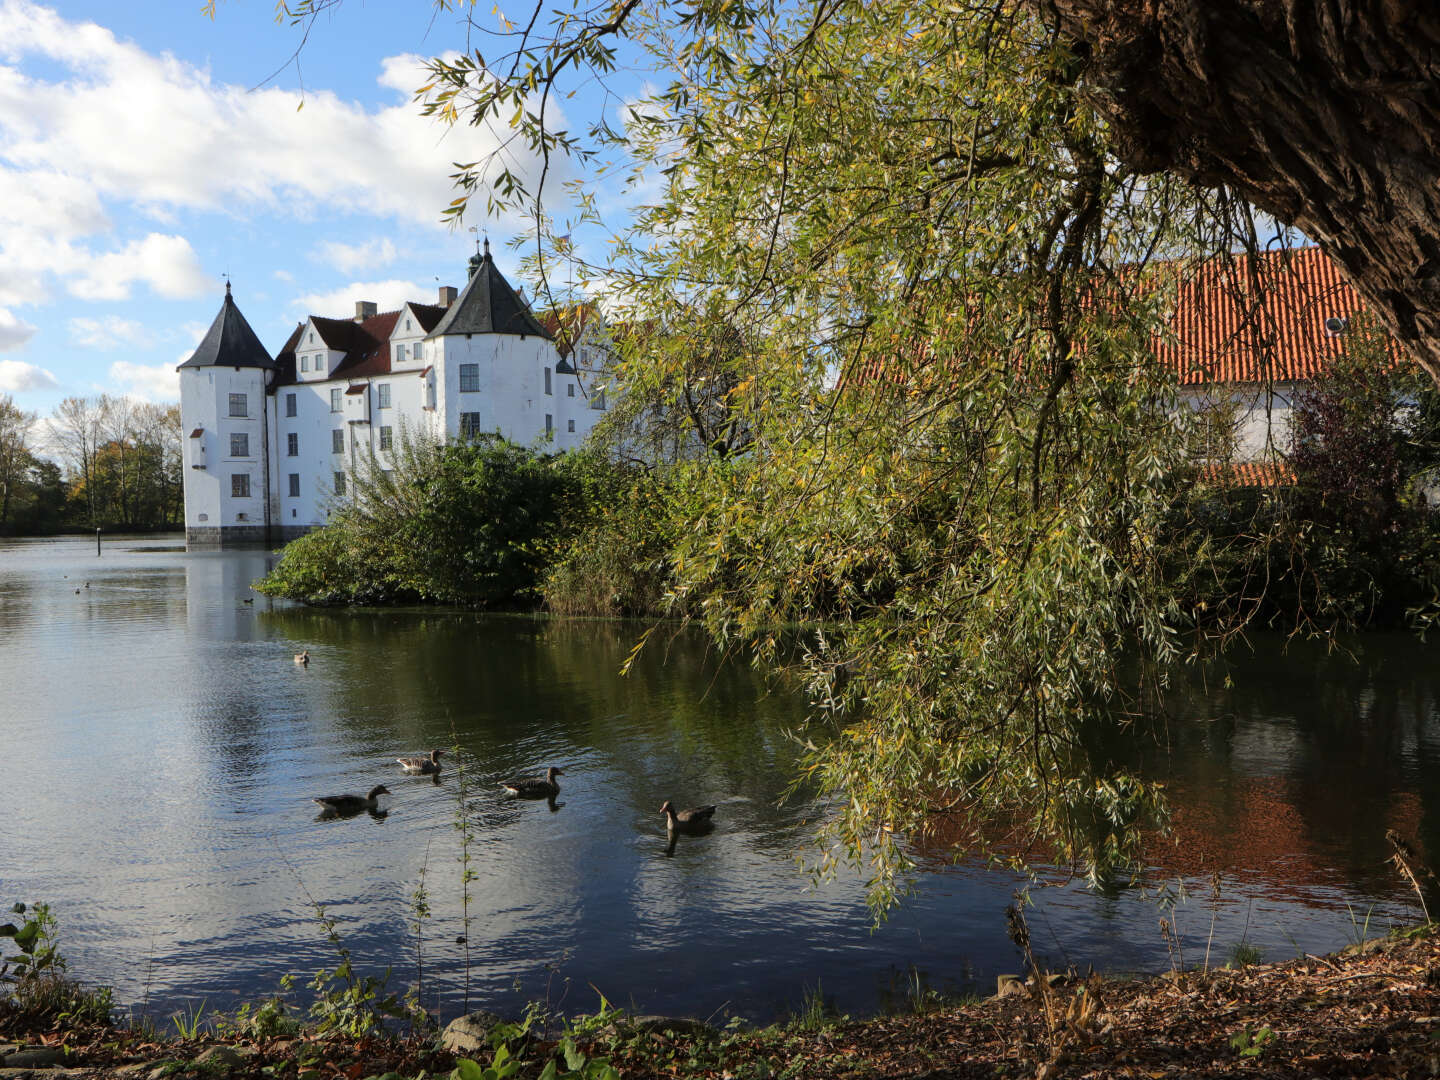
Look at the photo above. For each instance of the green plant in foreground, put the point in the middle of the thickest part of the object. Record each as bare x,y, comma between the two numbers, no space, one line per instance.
35,938
266,1020
1243,954
39,986
507,1042
189,1023
1251,1042
813,1014
1359,932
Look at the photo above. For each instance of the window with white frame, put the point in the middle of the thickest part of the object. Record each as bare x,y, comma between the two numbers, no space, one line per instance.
305,363
399,353
337,441
383,395
547,381
597,399
335,401
290,405
240,485
339,483
469,425
292,445
549,424
239,444
469,378
238,405
294,485
386,438
570,425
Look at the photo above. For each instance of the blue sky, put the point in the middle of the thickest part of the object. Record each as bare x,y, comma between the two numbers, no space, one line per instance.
144,155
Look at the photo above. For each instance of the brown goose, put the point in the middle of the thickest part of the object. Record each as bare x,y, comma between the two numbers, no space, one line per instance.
535,787
694,820
422,765
345,805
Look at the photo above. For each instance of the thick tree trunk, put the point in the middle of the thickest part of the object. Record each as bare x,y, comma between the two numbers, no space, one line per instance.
1326,113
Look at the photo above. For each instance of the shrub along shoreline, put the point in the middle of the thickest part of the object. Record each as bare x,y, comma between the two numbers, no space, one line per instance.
1369,1011
491,524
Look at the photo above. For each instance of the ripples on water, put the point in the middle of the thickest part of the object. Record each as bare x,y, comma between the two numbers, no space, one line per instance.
162,749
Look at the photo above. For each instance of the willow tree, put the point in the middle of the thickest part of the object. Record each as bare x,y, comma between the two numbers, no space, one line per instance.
1327,115
937,287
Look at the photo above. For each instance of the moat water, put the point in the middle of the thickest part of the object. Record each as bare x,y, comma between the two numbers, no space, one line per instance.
161,749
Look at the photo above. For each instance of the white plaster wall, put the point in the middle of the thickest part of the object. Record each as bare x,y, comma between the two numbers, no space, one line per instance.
313,361
511,398
205,403
1263,415
315,463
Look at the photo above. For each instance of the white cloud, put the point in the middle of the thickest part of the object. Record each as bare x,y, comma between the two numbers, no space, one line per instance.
16,375
14,331
284,275
349,258
157,382
167,264
89,121
340,303
111,332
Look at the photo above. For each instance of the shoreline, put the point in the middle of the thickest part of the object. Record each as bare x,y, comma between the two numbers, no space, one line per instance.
1368,1010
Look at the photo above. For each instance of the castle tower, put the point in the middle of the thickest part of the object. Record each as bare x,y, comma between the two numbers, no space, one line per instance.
224,412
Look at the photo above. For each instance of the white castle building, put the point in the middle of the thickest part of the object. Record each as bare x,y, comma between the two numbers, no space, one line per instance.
272,442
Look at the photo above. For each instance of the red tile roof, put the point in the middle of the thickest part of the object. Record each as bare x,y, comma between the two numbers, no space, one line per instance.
1235,320
428,314
1253,320
366,345
1247,474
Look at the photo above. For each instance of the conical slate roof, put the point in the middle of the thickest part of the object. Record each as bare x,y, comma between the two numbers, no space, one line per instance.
488,305
230,342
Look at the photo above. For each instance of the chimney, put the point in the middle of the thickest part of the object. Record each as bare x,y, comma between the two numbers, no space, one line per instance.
364,309
448,294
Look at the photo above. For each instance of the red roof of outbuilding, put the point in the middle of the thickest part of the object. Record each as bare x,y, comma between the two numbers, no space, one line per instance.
1254,320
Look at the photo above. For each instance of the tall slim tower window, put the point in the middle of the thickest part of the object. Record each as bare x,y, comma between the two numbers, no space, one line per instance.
335,403
289,404
547,381
337,441
339,483
292,445
382,395
294,485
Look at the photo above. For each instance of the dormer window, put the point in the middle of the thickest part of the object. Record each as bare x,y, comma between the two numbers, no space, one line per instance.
311,339
407,326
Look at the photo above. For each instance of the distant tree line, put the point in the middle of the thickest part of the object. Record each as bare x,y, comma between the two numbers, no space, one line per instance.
96,462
